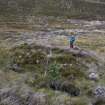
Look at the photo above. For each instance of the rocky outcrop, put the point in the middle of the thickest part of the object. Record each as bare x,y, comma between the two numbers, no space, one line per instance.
37,99
10,96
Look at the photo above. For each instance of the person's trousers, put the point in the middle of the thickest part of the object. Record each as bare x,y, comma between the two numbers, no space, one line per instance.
71,45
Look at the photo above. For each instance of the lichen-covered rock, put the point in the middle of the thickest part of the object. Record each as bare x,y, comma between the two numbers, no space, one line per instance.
12,100
8,96
37,99
12,96
6,92
99,93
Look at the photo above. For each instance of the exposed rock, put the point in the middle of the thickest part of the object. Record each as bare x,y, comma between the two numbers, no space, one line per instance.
99,93
93,76
37,99
12,100
10,96
16,68
4,93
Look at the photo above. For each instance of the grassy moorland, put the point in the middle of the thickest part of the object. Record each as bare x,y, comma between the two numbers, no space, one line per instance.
18,10
37,66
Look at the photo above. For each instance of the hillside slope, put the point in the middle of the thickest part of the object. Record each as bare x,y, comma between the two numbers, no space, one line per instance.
37,67
33,76
19,9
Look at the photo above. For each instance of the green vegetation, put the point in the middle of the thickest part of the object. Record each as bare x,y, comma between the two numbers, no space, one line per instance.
54,71
4,58
63,66
57,72
20,10
62,74
94,42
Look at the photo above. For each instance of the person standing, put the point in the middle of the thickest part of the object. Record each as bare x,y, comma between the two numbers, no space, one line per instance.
72,39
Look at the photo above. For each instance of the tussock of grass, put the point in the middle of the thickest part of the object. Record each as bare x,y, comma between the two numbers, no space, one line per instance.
4,58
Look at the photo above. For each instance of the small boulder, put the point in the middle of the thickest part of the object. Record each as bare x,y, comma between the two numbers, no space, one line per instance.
93,76
37,99
16,68
99,93
8,96
12,100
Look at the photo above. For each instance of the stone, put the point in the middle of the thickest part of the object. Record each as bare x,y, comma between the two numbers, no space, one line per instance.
93,76
16,68
13,96
99,93
37,99
12,100
8,96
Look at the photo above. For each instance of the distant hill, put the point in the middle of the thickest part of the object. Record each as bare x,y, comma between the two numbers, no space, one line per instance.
85,9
